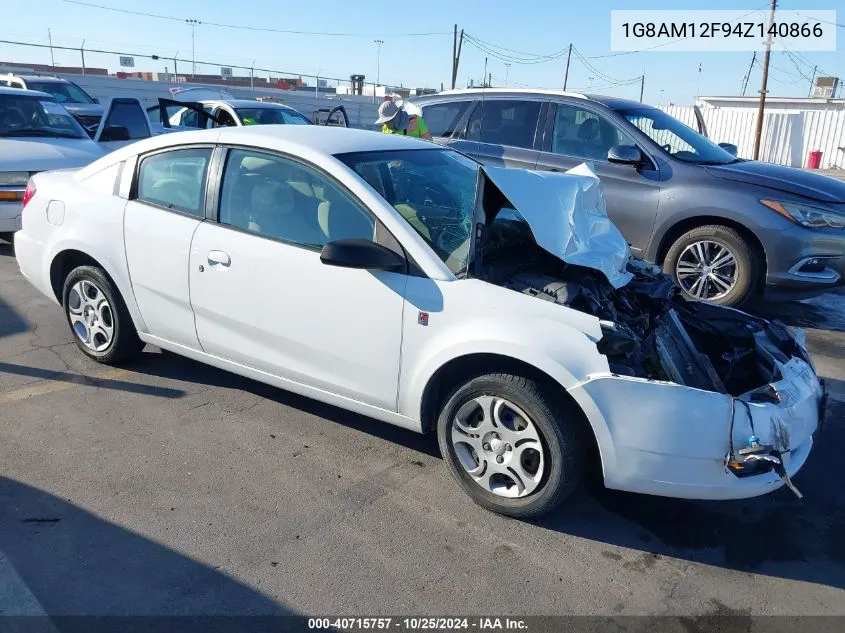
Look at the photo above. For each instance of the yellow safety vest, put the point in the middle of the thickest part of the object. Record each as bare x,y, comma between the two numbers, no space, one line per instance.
416,128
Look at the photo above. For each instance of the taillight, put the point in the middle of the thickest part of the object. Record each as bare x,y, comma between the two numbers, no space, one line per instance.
27,195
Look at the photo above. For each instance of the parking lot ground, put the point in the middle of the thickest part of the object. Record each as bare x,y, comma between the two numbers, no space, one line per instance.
169,487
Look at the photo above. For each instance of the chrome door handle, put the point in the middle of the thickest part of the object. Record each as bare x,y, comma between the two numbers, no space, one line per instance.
219,258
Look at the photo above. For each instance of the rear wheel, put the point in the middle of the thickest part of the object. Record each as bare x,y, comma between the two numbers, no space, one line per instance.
512,445
98,318
714,263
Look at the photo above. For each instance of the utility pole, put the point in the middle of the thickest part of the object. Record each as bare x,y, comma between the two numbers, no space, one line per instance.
810,94
82,52
566,74
193,24
642,87
484,77
252,76
507,72
456,62
748,74
761,109
378,61
175,68
454,53
50,37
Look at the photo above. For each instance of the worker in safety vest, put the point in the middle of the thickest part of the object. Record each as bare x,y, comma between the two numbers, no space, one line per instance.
395,119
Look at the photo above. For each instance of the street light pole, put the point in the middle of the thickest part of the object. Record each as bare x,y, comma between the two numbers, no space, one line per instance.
378,61
193,24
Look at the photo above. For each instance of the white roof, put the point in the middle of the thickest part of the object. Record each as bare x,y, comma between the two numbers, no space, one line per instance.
527,91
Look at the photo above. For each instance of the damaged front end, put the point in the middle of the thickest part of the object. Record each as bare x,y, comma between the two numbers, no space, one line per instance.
687,380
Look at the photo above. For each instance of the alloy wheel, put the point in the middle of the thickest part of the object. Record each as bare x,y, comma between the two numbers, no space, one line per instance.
91,315
706,270
499,446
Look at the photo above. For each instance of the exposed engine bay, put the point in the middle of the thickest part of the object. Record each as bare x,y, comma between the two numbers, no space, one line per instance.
650,331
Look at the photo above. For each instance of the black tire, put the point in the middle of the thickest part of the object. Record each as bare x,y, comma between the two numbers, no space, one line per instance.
559,426
748,263
124,343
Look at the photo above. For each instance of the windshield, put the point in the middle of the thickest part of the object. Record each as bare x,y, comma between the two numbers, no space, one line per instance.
677,139
63,92
32,116
433,189
271,116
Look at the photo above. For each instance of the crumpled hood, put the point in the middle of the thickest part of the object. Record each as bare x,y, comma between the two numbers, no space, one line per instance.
568,217
789,179
43,154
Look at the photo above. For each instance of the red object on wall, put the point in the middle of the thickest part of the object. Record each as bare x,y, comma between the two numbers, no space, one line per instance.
814,160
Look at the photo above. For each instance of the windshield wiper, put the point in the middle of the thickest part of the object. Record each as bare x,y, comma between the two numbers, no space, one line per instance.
38,132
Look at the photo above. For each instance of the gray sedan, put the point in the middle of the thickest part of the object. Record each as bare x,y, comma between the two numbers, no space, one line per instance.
724,227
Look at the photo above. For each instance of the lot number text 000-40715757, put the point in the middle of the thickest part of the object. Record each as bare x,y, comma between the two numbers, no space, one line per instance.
699,30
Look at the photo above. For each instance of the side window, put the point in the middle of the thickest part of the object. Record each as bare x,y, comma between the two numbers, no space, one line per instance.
175,180
17,84
504,123
285,200
441,118
189,118
224,118
584,134
130,116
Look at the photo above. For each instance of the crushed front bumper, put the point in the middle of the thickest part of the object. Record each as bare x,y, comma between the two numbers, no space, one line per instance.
666,439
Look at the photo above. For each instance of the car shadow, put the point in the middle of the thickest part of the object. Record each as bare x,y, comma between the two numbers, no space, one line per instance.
11,321
774,535
826,312
176,367
7,249
76,563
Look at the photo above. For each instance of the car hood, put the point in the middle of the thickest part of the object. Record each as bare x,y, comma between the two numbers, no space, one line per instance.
788,179
84,109
567,216
42,154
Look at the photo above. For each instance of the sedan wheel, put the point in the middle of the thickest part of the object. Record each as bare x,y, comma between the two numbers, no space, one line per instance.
97,315
706,270
499,446
91,316
515,445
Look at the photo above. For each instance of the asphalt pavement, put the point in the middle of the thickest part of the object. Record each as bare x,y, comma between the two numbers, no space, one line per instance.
169,487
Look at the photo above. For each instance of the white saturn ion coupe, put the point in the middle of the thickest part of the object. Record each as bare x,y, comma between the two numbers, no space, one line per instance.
404,281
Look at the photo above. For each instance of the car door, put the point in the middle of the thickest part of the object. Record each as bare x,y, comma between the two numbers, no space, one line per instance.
124,121
502,132
577,133
166,205
263,298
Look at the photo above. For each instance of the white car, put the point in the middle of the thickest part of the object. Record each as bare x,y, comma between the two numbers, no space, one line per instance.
406,282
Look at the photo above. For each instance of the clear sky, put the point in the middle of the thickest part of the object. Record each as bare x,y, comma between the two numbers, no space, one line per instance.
541,27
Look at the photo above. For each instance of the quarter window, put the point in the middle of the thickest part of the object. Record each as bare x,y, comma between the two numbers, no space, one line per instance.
583,133
175,180
282,199
504,123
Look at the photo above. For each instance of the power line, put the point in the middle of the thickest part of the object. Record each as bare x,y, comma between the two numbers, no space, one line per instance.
484,48
604,76
527,56
804,15
248,28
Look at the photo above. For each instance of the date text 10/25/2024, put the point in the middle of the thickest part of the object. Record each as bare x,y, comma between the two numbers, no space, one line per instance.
418,624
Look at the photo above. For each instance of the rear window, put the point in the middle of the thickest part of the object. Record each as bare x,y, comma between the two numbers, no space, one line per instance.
442,118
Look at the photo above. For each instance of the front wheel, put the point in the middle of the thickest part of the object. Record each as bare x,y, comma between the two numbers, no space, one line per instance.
513,446
98,318
713,263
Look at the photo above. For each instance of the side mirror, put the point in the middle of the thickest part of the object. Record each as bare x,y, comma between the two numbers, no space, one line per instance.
360,253
114,133
625,155
730,148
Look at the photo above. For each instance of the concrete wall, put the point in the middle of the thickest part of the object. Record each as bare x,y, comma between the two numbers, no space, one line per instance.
362,111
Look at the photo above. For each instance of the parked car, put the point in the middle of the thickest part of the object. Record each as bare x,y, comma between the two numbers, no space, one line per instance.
85,108
403,281
237,112
725,228
36,134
